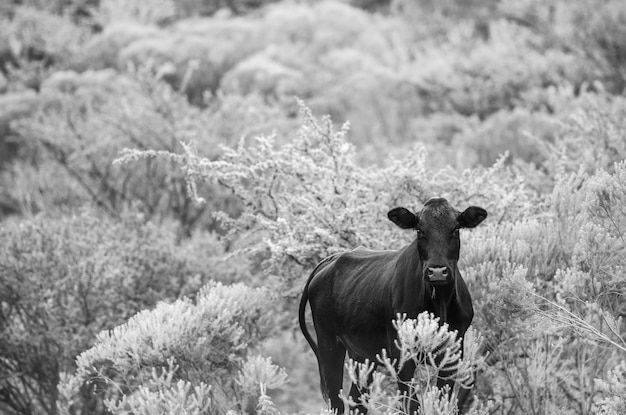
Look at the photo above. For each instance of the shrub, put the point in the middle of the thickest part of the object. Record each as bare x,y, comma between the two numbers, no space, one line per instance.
432,348
598,29
615,388
513,132
546,291
64,280
13,106
193,355
591,139
144,12
309,198
102,50
33,41
481,77
260,74
72,139
198,53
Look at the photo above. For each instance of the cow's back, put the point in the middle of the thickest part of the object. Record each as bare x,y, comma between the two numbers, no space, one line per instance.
350,296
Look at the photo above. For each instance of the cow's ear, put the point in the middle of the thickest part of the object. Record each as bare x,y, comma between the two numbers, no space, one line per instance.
403,217
471,217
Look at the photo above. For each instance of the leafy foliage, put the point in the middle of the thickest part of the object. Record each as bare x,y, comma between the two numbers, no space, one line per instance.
88,117
175,351
432,348
63,281
309,198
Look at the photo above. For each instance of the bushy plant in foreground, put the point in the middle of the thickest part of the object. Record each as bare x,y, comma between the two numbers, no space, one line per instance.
547,294
184,357
198,357
63,280
433,349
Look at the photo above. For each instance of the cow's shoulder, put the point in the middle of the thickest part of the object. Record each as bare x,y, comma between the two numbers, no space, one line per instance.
463,308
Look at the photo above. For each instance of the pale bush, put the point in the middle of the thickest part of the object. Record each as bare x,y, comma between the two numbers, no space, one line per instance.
102,50
33,29
85,120
597,28
473,76
615,389
599,254
592,138
539,332
260,74
134,11
197,53
33,41
326,25
513,132
64,280
186,354
432,348
161,395
290,350
309,198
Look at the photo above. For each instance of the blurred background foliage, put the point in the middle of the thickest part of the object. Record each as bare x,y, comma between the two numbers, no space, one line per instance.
517,106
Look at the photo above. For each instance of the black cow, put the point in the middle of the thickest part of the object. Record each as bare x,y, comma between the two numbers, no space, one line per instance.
355,296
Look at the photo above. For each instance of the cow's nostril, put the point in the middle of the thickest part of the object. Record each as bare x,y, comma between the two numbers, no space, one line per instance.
437,273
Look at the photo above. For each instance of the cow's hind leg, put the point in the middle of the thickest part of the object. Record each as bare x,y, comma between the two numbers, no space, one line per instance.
464,397
410,403
356,392
331,360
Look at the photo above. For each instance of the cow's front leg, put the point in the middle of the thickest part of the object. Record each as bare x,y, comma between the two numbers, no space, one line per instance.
464,395
410,404
447,378
463,398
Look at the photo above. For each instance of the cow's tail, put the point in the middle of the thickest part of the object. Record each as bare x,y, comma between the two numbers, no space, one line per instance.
301,319
305,330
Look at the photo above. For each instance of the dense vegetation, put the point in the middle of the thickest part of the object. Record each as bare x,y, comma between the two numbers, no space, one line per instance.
168,179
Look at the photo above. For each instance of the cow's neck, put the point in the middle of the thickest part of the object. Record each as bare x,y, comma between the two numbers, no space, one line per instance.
440,298
410,283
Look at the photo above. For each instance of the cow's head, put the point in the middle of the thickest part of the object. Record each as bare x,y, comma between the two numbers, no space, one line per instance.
438,244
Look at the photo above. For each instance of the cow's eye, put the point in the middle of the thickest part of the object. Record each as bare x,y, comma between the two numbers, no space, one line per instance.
455,233
420,234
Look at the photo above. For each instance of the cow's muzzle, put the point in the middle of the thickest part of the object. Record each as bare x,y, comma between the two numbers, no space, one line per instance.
437,275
